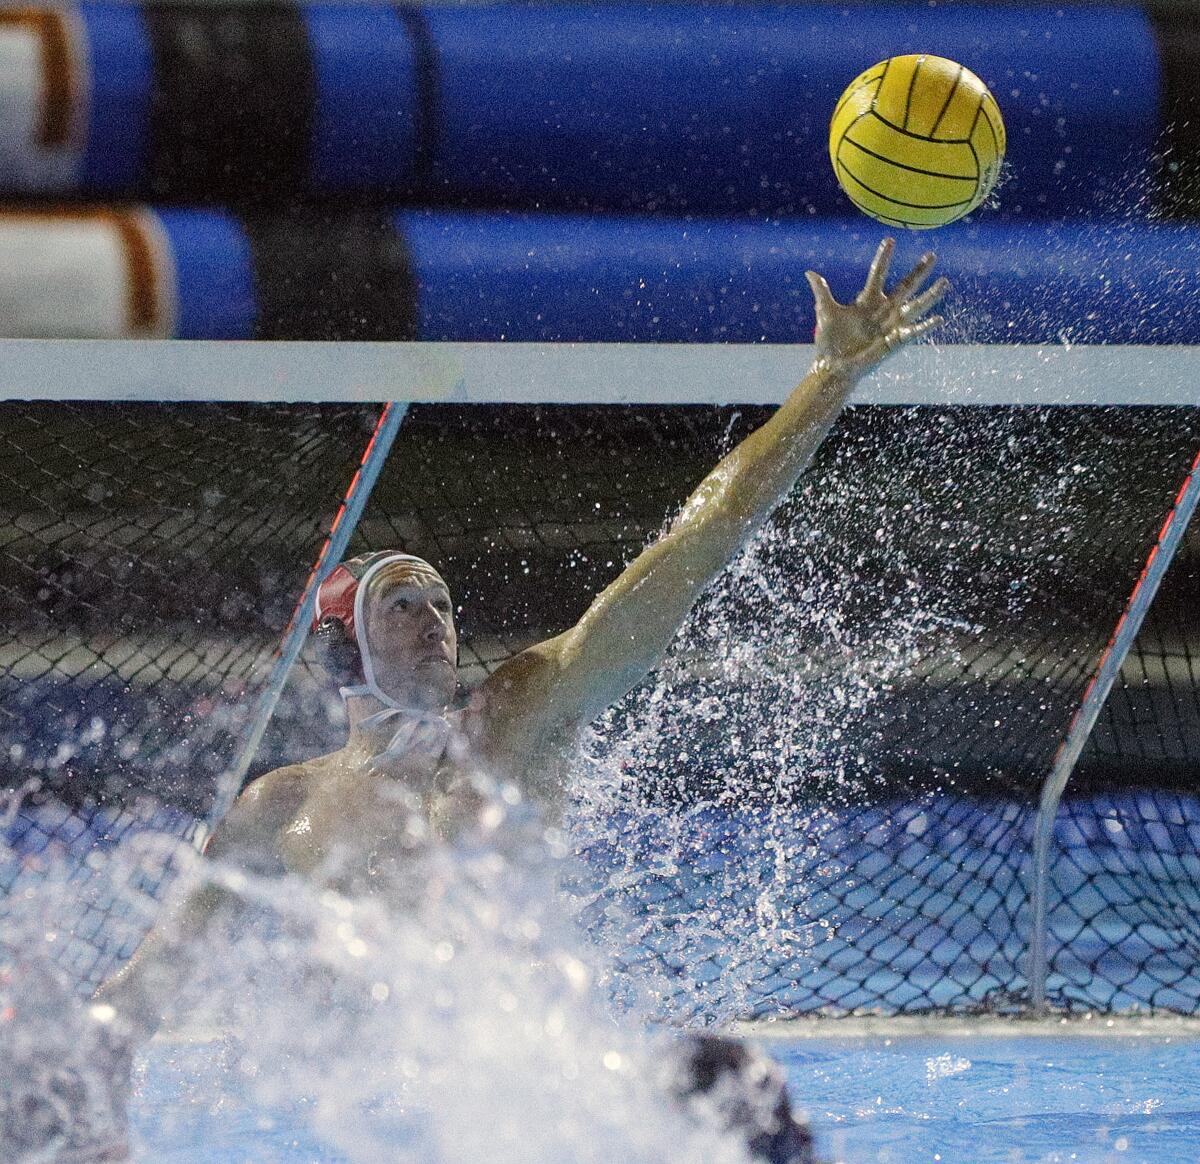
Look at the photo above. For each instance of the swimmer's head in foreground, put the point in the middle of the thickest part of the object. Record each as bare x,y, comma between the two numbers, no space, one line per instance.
747,1093
384,626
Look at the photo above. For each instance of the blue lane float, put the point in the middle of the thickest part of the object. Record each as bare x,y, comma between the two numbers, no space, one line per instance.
114,157
474,276
727,108
212,273
667,108
546,278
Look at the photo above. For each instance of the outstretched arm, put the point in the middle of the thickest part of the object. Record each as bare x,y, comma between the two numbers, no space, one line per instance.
573,677
128,1008
134,999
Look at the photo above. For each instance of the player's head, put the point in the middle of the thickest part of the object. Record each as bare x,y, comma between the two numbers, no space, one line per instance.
747,1092
384,624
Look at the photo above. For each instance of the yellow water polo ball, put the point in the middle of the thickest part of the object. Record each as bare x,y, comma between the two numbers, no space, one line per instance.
917,141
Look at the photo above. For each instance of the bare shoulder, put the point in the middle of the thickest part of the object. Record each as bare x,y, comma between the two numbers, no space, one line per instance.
519,695
524,677
264,807
276,795
521,725
282,786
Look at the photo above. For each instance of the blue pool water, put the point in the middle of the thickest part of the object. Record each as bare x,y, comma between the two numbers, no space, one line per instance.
971,1100
875,1100
480,999
892,907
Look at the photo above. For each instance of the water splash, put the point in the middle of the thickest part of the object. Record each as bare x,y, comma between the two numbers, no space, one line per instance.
467,1025
882,643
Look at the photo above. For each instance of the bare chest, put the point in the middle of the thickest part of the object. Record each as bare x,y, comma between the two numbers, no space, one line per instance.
360,832
364,831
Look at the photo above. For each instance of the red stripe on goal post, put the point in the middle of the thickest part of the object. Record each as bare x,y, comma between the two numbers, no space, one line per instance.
292,642
1112,658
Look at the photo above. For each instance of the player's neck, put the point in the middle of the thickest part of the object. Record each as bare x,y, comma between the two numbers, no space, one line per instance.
360,708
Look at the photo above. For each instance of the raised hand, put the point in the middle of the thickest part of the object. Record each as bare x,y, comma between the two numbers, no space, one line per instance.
854,337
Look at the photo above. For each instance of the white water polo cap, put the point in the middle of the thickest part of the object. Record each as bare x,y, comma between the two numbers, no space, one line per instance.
342,597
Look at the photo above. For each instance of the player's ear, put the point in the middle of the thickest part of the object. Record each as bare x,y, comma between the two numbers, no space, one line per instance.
337,652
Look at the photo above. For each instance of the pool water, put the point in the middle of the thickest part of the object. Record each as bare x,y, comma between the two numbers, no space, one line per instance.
458,1020
966,1100
961,1099
484,997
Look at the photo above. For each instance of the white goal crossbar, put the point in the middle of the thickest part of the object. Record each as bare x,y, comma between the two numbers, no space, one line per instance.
499,373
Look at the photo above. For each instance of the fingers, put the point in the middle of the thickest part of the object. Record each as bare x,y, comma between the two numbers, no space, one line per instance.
822,298
916,307
899,336
880,265
820,289
916,330
913,280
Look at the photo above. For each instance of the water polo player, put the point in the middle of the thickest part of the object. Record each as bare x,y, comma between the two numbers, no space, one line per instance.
352,819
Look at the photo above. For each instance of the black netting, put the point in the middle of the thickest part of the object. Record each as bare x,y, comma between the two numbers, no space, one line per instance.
886,678
823,798
1125,891
1151,722
150,557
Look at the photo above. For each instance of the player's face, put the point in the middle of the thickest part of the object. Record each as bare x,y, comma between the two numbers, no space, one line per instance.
410,629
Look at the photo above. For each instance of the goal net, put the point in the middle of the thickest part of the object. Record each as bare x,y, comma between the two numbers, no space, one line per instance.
824,798
150,556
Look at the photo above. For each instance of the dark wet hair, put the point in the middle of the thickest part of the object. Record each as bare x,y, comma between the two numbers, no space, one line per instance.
754,1099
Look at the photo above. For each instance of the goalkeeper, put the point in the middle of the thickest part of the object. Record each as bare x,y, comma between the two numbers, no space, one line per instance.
385,625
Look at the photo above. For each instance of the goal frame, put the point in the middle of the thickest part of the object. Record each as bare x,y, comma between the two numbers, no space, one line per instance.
400,374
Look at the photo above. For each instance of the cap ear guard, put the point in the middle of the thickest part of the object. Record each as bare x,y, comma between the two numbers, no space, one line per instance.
337,651
339,628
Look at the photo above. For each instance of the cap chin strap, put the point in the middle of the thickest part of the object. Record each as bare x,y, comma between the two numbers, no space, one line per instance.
418,731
